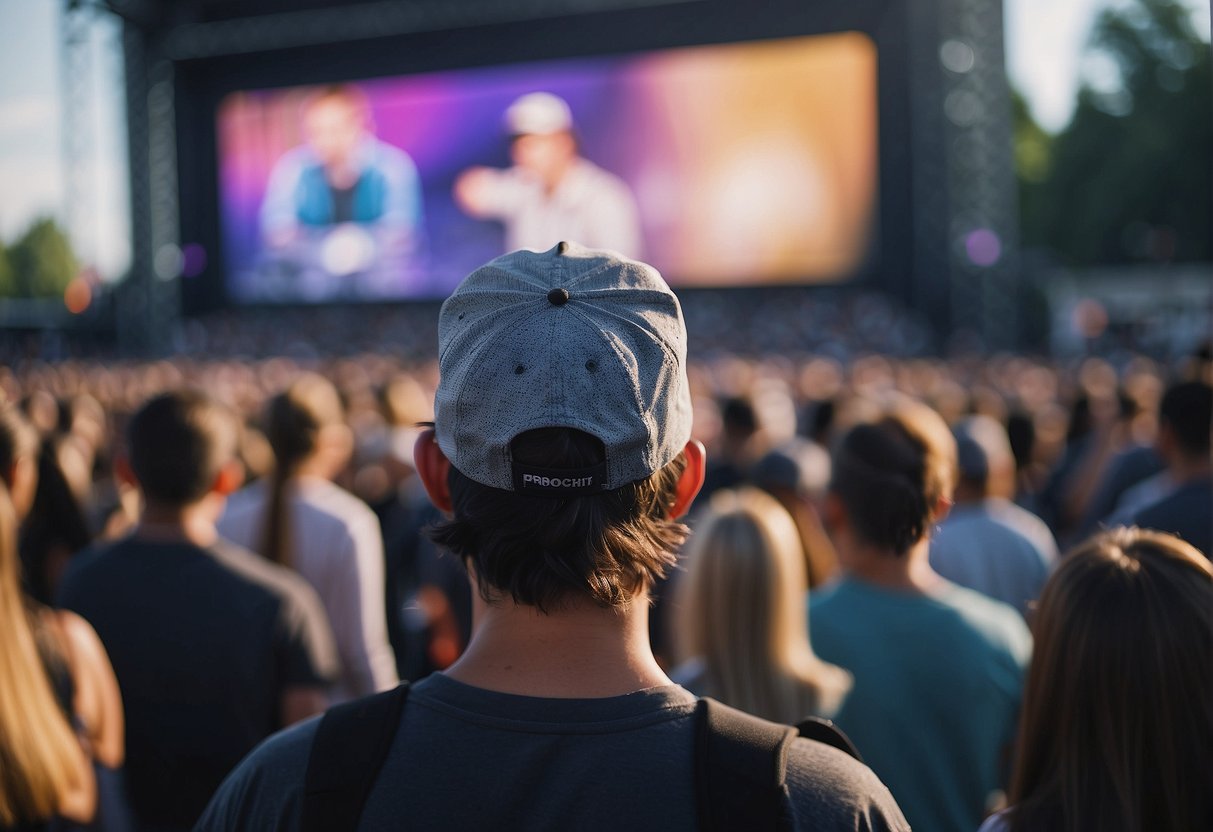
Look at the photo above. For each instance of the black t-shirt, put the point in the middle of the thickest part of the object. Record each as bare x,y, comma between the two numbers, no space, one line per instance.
203,642
1187,512
467,758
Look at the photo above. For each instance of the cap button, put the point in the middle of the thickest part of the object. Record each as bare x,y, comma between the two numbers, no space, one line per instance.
558,296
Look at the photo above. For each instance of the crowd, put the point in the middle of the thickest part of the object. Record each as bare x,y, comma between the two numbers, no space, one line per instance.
991,574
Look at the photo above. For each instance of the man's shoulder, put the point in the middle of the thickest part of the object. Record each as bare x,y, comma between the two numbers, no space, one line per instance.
997,625
256,572
828,789
266,790
1178,504
83,566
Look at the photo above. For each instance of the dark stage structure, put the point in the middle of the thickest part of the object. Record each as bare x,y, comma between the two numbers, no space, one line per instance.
947,232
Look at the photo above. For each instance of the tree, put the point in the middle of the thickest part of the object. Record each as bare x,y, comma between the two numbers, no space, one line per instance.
42,261
8,286
1130,179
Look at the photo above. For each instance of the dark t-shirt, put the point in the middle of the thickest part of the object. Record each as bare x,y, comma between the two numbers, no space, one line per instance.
203,642
1187,512
467,758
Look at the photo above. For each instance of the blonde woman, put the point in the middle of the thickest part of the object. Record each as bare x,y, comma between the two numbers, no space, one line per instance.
45,772
61,723
743,627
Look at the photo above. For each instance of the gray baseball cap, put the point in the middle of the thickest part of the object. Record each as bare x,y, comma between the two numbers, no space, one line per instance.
569,337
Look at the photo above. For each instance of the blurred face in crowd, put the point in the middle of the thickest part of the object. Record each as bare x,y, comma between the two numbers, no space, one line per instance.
334,125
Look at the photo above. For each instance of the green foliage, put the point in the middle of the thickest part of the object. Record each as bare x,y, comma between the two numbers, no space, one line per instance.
42,261
8,286
1130,179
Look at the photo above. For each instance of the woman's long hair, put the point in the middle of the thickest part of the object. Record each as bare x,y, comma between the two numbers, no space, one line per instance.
743,612
42,765
294,420
1117,729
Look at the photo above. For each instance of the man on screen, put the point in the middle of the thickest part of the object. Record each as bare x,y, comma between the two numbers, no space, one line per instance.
345,203
551,193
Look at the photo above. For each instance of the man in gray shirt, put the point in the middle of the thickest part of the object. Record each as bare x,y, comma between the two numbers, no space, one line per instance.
562,458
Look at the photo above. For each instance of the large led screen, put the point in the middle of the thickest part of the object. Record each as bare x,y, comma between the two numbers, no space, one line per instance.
739,164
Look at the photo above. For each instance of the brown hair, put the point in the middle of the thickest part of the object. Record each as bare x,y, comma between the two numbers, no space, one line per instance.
294,419
1117,730
17,439
43,769
890,474
743,612
179,442
541,551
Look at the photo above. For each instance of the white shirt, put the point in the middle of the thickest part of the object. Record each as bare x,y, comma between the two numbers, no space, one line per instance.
590,206
338,549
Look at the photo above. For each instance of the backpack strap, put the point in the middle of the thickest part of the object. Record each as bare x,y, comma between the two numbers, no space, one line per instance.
825,731
350,746
740,766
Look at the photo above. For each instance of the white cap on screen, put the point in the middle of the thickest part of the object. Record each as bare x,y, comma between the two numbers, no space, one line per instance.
538,113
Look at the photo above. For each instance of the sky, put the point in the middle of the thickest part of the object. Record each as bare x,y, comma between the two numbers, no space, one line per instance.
1044,44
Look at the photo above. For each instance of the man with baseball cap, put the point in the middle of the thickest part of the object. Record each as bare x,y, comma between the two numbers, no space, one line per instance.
551,193
561,457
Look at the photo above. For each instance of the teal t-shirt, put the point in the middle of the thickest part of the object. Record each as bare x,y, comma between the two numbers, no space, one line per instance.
938,680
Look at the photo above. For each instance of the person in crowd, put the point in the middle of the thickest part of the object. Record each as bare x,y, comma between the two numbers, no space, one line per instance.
744,627
987,543
301,519
356,195
1185,420
342,174
561,488
938,669
44,770
19,453
740,445
796,473
56,528
551,193
214,648
61,721
1117,730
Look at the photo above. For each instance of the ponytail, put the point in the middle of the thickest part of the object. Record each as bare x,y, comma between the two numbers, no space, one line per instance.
294,419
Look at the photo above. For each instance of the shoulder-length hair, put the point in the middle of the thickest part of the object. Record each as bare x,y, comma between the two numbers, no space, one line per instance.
43,769
1117,729
743,612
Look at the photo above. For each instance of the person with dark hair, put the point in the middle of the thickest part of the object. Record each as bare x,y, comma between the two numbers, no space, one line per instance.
301,519
938,669
561,457
214,648
56,528
796,474
18,458
1185,421
739,447
987,543
1117,731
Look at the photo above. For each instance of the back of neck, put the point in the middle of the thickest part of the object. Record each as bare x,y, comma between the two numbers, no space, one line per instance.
579,651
